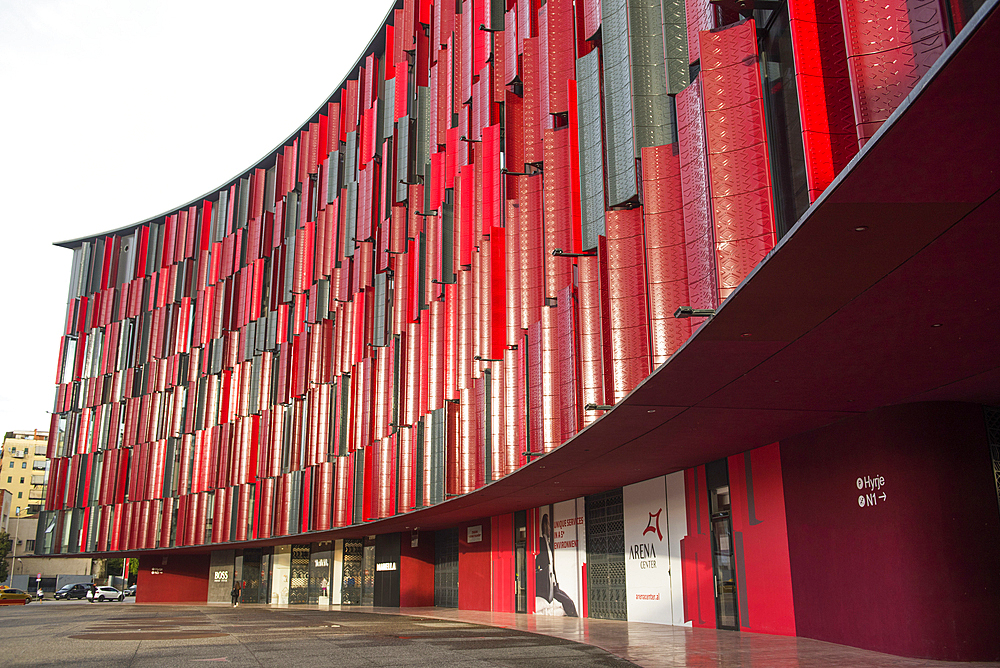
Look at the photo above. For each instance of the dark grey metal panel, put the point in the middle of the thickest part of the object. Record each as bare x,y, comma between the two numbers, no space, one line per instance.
439,431
379,307
675,46
421,147
351,217
243,212
351,157
333,176
404,153
650,103
588,76
618,103
270,179
389,115
448,238
291,214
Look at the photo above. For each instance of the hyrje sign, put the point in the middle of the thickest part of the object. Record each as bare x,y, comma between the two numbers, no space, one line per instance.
647,559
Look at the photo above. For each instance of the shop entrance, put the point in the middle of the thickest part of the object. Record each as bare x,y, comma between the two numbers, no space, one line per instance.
521,561
606,593
723,559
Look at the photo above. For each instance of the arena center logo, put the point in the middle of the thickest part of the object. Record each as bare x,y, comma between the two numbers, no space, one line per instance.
645,553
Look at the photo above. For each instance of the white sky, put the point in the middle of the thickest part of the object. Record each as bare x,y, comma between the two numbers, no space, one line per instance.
113,111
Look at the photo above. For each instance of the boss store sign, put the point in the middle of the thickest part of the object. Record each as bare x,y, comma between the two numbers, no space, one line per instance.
387,571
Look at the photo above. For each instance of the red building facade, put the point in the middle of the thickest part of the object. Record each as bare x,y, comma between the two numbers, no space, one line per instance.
538,269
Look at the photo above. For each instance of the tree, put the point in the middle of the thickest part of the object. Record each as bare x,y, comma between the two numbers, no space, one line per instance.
5,548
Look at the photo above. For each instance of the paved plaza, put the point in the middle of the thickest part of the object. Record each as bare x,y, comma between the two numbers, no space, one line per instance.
130,634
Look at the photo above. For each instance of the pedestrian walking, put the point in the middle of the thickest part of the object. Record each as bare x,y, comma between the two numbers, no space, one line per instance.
41,594
236,594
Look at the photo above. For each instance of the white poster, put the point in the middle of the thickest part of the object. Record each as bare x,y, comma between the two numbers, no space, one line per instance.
559,564
647,553
677,521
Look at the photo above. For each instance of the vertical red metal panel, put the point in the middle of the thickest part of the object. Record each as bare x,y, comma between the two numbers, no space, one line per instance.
699,232
467,465
666,260
533,385
700,17
531,108
627,299
451,342
558,224
823,87
890,45
498,293
342,496
532,251
483,303
510,69
552,434
411,400
466,297
568,359
561,52
435,356
591,18
465,184
513,410
739,168
407,470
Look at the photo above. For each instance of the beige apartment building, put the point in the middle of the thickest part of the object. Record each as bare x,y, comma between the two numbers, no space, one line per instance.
24,470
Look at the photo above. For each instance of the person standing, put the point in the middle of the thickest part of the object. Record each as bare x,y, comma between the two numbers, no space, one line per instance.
41,594
236,593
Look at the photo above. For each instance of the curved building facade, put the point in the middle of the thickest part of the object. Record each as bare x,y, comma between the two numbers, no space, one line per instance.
672,311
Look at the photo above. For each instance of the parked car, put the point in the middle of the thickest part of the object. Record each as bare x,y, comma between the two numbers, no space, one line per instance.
130,591
71,591
11,594
106,594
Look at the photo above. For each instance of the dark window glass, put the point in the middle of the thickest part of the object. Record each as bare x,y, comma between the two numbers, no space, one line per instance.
959,13
784,127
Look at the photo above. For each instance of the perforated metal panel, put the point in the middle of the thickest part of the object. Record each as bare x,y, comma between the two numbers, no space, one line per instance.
618,103
651,109
675,47
588,76
350,588
606,595
446,568
992,415
298,589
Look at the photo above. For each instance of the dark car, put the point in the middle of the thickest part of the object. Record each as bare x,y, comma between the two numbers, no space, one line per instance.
68,592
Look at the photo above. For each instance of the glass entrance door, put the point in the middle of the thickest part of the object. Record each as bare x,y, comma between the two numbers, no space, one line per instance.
520,562
725,573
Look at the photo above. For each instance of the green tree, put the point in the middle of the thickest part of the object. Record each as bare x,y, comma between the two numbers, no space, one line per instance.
5,547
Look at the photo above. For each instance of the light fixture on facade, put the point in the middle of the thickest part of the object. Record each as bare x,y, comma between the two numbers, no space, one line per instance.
689,312
597,407
559,252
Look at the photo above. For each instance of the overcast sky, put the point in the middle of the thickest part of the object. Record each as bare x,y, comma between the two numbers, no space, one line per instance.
112,111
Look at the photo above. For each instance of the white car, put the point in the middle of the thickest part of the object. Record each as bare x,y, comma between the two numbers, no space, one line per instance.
105,594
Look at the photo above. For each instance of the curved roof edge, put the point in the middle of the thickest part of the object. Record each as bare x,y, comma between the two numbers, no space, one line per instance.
375,45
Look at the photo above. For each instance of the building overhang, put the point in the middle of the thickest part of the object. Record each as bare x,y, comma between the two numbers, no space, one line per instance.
882,294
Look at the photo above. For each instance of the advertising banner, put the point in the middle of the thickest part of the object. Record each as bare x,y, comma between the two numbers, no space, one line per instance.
559,564
647,553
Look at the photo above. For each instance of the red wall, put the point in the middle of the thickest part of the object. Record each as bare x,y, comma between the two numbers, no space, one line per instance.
416,570
764,578
696,553
915,574
475,561
184,579
502,539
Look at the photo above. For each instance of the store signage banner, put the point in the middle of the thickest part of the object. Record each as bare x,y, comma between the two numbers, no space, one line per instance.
562,553
647,558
